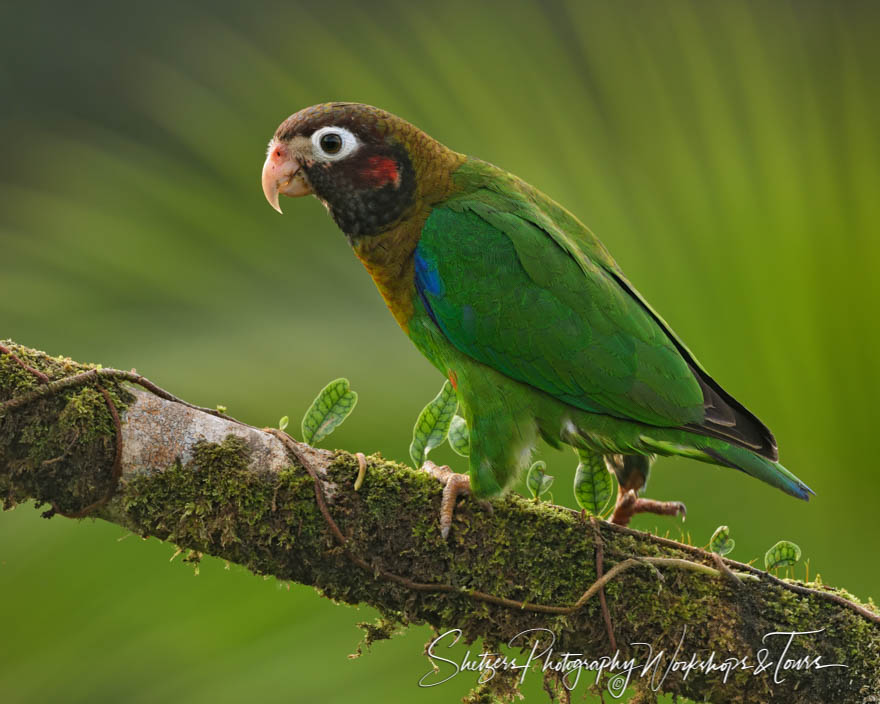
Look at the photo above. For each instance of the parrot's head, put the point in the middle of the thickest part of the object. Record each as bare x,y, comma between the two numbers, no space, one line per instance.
370,168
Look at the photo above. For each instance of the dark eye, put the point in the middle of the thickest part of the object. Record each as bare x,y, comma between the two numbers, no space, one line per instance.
331,143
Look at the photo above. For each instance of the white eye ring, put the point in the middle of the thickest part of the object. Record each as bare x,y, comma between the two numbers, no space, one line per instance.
349,143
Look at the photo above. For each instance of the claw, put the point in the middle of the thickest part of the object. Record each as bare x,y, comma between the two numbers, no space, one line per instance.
454,485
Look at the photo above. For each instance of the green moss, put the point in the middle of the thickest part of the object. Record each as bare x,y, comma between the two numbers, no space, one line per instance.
215,504
382,628
14,380
471,559
59,447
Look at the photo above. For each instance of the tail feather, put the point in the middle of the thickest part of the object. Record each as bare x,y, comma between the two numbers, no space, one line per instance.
761,468
719,452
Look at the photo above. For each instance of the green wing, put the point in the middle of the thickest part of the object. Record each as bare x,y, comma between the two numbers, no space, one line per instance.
516,282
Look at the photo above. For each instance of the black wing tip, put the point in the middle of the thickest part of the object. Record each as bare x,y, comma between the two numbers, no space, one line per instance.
766,448
746,430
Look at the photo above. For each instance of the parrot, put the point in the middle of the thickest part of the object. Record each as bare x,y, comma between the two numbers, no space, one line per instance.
520,306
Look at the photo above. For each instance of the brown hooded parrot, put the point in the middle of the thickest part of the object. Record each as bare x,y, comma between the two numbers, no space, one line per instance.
519,305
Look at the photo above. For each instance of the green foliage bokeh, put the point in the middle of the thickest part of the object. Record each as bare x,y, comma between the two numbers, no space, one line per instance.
727,153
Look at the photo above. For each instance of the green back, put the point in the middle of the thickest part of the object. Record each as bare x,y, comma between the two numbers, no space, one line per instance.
516,282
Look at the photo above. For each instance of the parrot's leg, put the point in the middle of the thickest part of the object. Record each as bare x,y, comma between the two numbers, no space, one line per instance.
632,476
628,504
454,485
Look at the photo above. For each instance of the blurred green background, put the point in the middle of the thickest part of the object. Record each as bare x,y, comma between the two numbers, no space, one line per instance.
728,153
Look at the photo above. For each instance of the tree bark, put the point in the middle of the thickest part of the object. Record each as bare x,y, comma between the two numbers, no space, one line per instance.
109,444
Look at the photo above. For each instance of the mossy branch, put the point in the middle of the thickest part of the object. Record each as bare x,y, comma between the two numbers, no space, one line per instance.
216,486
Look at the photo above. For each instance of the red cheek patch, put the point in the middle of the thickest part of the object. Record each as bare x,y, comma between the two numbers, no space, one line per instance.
381,170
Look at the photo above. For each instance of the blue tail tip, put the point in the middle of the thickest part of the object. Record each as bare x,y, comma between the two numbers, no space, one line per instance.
804,492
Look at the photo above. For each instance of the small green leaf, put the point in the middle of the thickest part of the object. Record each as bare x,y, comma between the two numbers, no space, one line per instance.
328,411
459,438
282,424
721,542
221,408
783,554
593,484
537,480
432,425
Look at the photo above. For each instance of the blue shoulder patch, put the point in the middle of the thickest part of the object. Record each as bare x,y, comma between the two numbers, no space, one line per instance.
427,276
427,280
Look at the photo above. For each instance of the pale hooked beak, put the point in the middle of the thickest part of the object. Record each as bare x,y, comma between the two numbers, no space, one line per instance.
282,175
